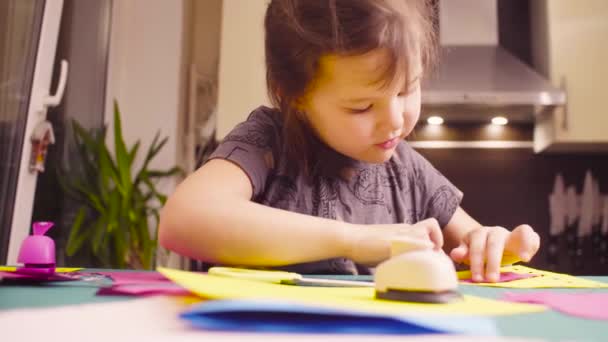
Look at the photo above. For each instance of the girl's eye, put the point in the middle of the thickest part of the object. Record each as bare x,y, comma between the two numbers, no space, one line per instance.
360,110
406,92
411,87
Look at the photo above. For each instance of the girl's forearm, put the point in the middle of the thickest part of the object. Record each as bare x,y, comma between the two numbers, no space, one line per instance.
240,232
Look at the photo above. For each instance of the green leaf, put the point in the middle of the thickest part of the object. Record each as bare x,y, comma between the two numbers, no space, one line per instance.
134,234
156,214
117,208
86,138
107,171
113,211
153,150
119,247
99,232
76,238
161,198
92,198
122,155
64,183
133,152
109,168
86,145
176,170
146,243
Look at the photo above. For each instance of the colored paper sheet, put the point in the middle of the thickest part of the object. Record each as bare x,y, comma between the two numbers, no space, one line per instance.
134,277
157,319
147,289
147,319
134,283
584,305
13,276
276,316
505,277
360,299
542,279
57,270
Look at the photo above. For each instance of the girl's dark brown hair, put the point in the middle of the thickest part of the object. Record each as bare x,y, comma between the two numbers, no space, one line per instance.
300,32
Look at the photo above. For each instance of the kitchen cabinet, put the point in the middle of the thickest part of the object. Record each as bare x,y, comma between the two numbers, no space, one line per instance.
569,45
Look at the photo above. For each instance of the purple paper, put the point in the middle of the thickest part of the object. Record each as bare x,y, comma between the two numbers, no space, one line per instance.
147,289
506,277
590,305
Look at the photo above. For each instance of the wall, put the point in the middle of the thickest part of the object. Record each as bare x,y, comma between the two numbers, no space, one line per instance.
458,28
200,125
205,40
146,73
242,85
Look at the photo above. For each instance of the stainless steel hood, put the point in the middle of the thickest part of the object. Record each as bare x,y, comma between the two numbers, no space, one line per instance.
477,79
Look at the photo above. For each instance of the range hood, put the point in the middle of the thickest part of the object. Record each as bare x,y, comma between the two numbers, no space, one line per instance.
476,79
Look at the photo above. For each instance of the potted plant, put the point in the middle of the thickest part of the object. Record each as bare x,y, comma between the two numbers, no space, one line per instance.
116,223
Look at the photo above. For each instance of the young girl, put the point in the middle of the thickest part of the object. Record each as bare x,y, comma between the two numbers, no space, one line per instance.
322,182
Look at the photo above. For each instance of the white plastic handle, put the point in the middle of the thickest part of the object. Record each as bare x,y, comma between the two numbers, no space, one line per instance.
54,100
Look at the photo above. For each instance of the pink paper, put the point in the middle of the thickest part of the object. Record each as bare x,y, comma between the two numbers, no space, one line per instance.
590,305
148,289
507,276
140,284
128,277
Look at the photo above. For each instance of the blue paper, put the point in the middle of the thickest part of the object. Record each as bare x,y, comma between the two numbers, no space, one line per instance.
277,316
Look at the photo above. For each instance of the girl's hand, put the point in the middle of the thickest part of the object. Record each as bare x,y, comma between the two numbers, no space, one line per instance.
486,248
371,244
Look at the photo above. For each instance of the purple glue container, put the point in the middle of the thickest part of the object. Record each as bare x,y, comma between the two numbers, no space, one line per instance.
37,253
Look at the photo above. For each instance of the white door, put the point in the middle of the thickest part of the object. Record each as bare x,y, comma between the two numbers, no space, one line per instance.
28,40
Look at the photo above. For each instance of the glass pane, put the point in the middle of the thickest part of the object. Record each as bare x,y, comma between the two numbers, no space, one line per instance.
83,40
20,23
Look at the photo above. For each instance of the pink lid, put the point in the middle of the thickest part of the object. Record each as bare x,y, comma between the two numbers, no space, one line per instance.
38,249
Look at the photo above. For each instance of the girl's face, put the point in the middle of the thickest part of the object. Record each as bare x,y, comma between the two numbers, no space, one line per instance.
352,114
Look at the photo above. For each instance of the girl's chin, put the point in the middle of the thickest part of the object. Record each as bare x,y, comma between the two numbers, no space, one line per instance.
379,157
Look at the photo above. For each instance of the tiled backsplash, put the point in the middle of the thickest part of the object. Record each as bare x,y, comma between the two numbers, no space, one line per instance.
508,187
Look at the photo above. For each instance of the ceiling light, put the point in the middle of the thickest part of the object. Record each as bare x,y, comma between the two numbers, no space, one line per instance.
434,120
499,120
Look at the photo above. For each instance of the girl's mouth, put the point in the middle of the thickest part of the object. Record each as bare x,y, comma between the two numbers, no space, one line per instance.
386,145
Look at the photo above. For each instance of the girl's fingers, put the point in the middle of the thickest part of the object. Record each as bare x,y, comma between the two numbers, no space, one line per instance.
523,242
477,246
436,234
460,254
432,229
495,245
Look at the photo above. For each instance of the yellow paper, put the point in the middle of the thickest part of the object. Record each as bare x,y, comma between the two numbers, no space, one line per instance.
58,269
545,279
359,299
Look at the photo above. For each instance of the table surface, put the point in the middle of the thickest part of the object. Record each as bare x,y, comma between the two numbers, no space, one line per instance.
546,325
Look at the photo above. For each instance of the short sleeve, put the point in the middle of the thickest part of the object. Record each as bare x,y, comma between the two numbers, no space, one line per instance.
250,146
436,197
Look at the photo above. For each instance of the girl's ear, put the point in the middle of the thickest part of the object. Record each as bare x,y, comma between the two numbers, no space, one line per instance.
300,107
300,104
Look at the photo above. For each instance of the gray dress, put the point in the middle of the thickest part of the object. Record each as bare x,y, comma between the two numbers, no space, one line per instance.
405,189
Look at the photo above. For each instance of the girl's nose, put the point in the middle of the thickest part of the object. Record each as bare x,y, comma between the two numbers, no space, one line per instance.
392,115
